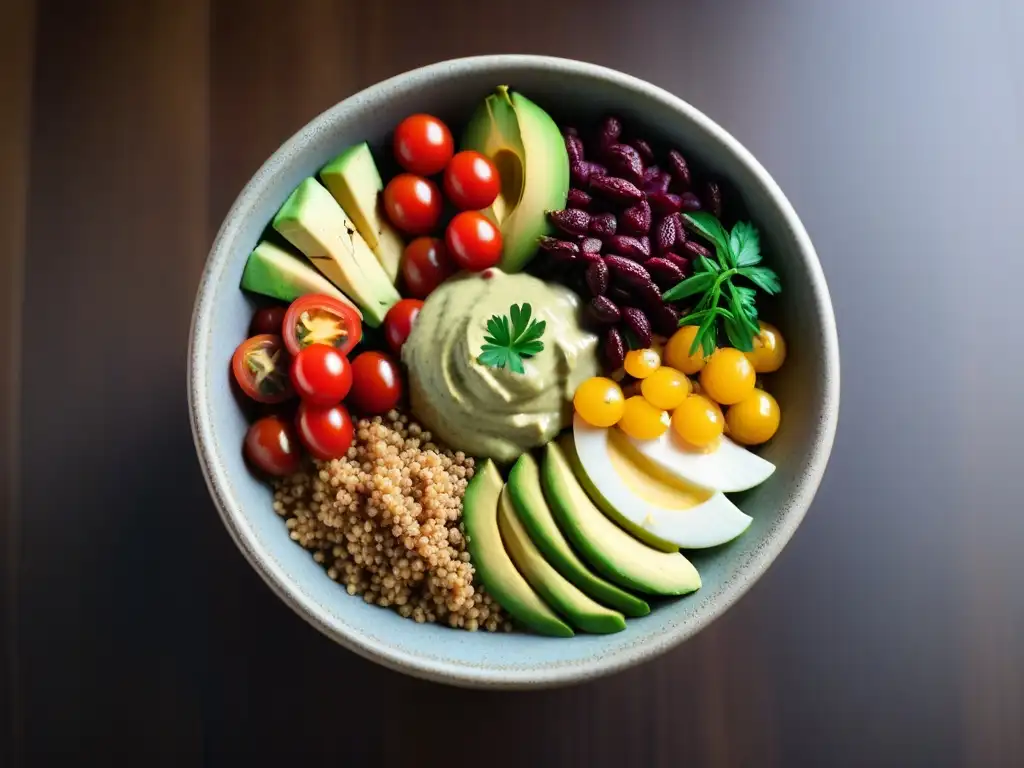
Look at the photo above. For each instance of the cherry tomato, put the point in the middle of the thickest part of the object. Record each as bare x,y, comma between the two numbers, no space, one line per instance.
413,204
267,320
319,319
641,363
423,144
473,241
753,420
398,322
325,430
599,402
471,181
270,445
769,349
665,388
728,376
643,421
260,365
376,383
321,375
698,421
425,265
677,351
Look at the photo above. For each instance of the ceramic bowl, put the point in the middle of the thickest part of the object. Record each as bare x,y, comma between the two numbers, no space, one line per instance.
807,387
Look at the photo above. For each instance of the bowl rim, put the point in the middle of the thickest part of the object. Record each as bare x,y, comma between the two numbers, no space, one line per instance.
542,675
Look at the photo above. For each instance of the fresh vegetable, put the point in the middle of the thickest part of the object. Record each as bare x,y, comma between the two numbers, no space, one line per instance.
319,319
473,241
641,363
698,421
273,271
677,351
399,321
267,320
376,383
754,419
413,203
642,420
325,430
728,376
423,144
321,375
260,365
425,265
271,446
511,338
599,402
471,181
665,388
769,350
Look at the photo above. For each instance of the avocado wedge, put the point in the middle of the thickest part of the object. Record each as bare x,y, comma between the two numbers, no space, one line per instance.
491,561
622,558
272,271
581,611
532,509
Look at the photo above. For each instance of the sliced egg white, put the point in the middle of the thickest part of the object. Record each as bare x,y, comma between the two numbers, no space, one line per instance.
729,468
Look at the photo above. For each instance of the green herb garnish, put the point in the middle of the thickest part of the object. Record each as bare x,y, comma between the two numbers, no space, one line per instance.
511,338
738,254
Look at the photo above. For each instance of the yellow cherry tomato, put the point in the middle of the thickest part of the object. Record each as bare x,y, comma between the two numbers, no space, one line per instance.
677,351
665,388
769,350
642,420
728,376
599,402
698,421
754,419
641,363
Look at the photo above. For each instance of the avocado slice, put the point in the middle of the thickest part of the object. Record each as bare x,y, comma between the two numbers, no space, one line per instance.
491,561
275,272
581,611
354,181
527,148
533,511
607,547
313,222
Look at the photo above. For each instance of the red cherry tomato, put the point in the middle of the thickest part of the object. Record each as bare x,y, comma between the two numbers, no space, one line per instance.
376,383
398,322
473,241
471,181
325,430
425,265
319,319
423,144
321,375
260,365
267,320
413,204
271,446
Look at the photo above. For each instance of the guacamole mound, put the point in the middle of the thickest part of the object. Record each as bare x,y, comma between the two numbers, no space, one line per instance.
492,412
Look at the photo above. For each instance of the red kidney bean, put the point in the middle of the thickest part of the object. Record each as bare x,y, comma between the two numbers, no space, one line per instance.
602,224
574,146
664,235
580,172
665,272
604,311
569,130
680,261
597,277
645,245
571,220
643,149
591,245
665,202
690,202
638,323
677,219
665,319
631,247
620,295
628,272
647,296
614,349
546,243
680,170
656,181
636,220
611,129
613,188
713,199
625,161
577,198
589,257
696,249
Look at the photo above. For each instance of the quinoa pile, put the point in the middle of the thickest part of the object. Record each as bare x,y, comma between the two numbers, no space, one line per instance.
386,522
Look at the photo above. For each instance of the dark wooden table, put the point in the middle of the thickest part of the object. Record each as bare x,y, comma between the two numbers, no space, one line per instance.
890,632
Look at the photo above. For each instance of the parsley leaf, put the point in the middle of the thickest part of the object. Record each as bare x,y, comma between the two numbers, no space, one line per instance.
708,226
763,277
512,337
745,244
698,283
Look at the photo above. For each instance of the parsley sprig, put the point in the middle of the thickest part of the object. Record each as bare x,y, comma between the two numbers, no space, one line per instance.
511,338
737,254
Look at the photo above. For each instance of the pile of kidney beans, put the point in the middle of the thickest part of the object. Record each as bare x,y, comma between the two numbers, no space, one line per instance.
621,237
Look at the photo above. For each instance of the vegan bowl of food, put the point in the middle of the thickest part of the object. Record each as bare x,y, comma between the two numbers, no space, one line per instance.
512,371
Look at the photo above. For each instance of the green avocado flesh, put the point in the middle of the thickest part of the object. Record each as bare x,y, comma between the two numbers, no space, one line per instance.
354,181
535,515
529,152
273,271
313,222
608,548
560,594
491,561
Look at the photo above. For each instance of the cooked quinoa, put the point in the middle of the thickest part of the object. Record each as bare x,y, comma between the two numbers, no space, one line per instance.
386,522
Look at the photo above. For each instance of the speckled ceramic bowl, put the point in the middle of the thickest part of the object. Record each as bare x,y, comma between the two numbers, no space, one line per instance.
807,387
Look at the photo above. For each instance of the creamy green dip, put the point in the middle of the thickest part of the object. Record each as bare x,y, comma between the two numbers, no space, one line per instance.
489,412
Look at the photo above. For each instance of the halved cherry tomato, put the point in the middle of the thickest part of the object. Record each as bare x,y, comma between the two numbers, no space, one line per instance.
260,365
412,203
425,265
376,383
471,181
319,319
423,144
321,375
267,320
473,241
271,446
325,430
398,322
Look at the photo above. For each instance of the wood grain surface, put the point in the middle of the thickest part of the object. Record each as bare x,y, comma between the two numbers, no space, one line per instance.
891,630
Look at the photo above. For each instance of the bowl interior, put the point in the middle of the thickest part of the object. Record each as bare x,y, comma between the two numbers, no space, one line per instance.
807,387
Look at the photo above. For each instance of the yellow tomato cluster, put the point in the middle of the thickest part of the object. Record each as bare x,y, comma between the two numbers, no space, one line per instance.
668,397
